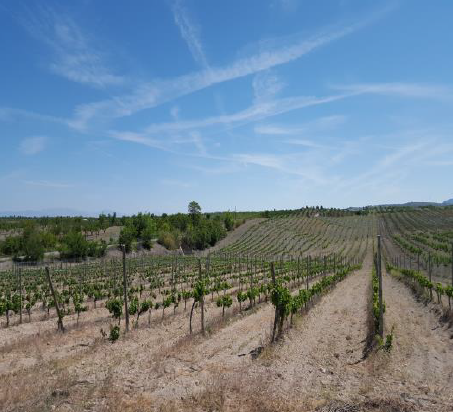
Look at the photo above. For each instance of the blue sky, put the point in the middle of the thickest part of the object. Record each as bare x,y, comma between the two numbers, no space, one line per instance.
147,105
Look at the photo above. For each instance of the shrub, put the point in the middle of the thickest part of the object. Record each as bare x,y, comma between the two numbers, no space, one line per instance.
74,245
168,240
114,333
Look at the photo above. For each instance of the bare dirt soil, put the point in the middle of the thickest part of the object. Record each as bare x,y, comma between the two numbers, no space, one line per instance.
111,233
318,364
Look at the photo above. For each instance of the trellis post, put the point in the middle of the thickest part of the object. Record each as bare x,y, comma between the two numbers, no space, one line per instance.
123,247
381,306
57,307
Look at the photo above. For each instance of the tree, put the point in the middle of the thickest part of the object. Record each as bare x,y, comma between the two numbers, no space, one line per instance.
127,236
148,233
32,246
229,222
194,210
74,245
103,222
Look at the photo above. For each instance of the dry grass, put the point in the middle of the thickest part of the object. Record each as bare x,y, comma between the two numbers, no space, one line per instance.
375,405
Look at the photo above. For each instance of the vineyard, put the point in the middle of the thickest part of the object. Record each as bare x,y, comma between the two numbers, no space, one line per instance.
421,240
178,332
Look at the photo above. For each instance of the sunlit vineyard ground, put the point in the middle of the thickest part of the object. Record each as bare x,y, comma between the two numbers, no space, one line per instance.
322,359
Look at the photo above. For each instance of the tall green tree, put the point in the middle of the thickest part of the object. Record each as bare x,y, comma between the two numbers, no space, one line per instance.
194,210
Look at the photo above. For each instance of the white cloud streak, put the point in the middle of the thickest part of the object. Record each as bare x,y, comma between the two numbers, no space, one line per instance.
190,33
74,57
169,136
33,145
423,148
253,113
11,114
301,165
266,86
152,94
321,124
418,90
46,183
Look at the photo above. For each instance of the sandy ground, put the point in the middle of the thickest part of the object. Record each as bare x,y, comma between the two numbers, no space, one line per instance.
319,362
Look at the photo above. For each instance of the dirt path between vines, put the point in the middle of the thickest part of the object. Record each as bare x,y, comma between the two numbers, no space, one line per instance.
420,366
319,366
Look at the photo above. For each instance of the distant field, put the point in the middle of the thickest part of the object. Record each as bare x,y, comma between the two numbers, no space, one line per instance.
111,233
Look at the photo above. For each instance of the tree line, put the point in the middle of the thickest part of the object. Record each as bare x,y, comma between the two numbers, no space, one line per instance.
191,231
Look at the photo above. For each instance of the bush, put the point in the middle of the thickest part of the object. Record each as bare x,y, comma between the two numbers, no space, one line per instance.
168,240
11,246
97,249
114,333
229,222
74,245
115,307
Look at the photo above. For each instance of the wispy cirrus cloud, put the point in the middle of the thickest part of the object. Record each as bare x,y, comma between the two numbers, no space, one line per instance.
33,145
11,114
388,168
73,54
418,90
320,124
422,148
49,184
266,86
302,134
190,32
171,135
255,112
302,165
151,94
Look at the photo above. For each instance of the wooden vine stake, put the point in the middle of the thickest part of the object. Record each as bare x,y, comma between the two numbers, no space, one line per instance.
430,276
20,295
452,264
276,307
57,307
201,300
381,306
123,247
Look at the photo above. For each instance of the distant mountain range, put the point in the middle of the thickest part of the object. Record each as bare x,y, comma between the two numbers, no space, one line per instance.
418,204
448,202
53,212
73,212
